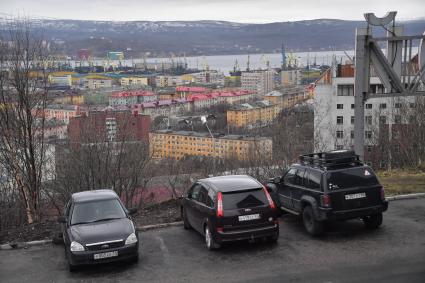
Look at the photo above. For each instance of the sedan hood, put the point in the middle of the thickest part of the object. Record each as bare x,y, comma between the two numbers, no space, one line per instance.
102,231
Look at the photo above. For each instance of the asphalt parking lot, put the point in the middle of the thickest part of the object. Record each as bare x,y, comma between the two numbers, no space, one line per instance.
346,253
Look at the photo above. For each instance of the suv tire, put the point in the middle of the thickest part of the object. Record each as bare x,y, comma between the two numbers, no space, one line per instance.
186,224
312,226
209,240
373,221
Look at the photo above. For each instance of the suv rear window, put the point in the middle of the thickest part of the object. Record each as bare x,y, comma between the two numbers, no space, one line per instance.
244,199
352,177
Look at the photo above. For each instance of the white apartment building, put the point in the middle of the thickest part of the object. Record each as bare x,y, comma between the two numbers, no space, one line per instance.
334,113
259,81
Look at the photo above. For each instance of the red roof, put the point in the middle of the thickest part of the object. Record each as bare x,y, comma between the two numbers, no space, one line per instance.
191,89
132,93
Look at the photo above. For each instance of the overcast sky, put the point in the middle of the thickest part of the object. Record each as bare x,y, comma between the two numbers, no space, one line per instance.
248,11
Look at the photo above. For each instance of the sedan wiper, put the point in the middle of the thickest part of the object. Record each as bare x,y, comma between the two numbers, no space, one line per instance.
106,219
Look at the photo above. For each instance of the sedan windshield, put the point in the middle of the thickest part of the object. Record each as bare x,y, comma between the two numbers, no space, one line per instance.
95,211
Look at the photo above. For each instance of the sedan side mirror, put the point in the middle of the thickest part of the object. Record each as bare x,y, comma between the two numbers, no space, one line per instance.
61,219
132,211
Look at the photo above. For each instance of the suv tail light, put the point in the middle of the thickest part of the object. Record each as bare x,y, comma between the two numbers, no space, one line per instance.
325,201
269,198
219,204
383,193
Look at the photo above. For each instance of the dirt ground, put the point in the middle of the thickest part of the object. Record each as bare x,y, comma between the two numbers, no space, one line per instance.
164,212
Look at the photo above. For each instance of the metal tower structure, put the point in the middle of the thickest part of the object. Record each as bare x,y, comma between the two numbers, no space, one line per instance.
393,69
283,62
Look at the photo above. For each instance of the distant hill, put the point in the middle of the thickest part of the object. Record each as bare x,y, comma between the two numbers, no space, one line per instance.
201,37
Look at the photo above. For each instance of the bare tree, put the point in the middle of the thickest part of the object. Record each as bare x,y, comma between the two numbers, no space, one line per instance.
23,95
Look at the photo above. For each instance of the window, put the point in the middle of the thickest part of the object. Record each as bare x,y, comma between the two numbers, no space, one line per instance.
340,106
352,106
397,119
339,134
314,180
397,105
368,134
194,192
340,120
205,198
369,148
299,179
352,120
339,147
368,120
352,134
245,199
368,105
412,105
345,90
383,106
290,176
382,119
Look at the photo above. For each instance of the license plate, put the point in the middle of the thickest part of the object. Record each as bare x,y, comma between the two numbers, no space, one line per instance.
355,196
249,217
106,255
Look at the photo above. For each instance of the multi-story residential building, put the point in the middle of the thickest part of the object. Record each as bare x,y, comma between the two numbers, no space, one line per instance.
109,126
259,81
209,77
163,107
291,77
184,91
334,112
254,114
63,112
201,101
134,80
167,81
128,98
176,145
288,97
95,83
64,80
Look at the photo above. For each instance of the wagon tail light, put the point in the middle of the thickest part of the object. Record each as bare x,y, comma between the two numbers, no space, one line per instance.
219,204
269,198
325,201
382,193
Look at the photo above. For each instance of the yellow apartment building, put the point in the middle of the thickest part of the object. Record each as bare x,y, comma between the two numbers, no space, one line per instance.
133,81
253,114
178,144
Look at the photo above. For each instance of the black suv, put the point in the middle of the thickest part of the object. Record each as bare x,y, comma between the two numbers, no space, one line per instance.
229,208
330,186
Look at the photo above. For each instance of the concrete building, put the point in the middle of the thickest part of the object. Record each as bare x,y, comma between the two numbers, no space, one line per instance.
291,77
64,80
259,81
128,98
334,111
163,107
176,145
109,126
63,113
167,81
134,81
95,83
254,114
289,96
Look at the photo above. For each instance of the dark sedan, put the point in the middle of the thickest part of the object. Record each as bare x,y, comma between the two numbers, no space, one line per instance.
97,228
230,208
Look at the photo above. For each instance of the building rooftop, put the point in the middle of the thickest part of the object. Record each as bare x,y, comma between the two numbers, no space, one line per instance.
252,105
207,135
130,93
191,89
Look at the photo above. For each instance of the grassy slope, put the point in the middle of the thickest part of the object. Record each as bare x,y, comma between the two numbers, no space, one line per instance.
402,182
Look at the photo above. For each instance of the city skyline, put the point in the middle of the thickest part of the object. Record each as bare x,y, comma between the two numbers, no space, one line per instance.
243,11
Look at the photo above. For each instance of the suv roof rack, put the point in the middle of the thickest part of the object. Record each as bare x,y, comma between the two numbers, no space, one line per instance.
331,158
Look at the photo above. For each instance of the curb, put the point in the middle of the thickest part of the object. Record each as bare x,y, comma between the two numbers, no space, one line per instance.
408,196
20,245
157,226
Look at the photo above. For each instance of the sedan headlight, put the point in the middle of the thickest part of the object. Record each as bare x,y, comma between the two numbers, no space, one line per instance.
131,239
76,247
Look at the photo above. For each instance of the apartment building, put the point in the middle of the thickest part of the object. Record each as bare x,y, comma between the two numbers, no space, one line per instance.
259,81
289,96
291,77
95,83
255,114
128,98
168,81
131,81
63,113
334,111
178,144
